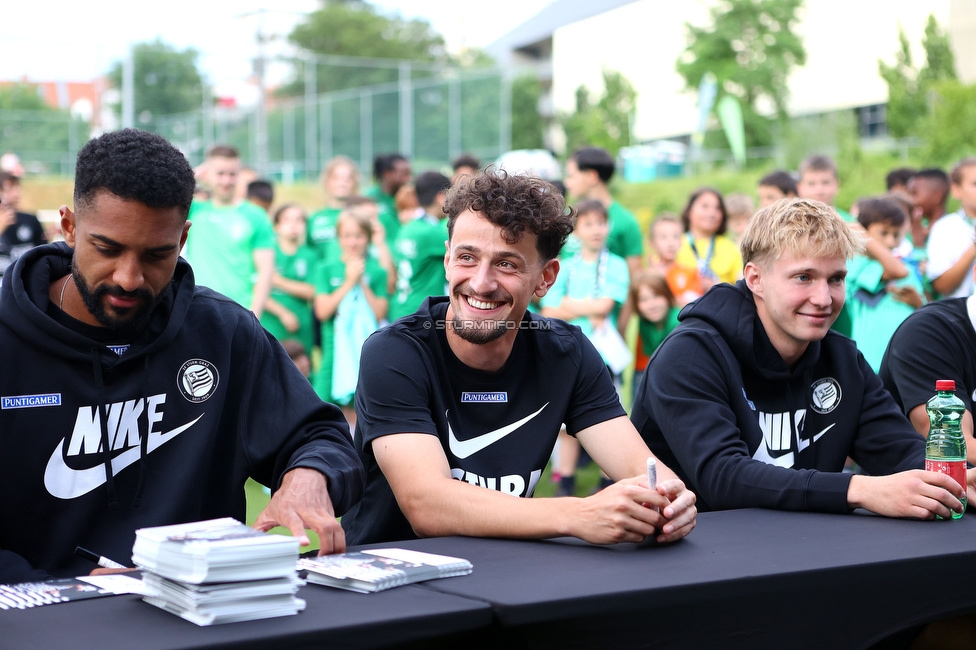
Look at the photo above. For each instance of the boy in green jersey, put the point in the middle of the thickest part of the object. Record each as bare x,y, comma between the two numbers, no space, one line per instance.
391,172
418,249
588,174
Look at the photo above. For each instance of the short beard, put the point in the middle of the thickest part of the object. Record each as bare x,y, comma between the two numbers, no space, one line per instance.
95,304
478,335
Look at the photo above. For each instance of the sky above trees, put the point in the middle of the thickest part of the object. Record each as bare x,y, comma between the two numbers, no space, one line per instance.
80,41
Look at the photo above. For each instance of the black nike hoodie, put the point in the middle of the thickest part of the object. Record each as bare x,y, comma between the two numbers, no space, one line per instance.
720,406
96,445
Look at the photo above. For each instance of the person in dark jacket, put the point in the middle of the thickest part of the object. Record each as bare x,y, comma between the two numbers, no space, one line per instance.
754,401
134,398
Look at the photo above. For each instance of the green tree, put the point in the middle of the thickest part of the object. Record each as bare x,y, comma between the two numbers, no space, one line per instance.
355,28
527,123
22,97
751,46
166,80
606,122
909,87
34,129
949,131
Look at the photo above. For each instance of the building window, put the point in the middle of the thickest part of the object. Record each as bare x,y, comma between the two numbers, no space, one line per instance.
871,121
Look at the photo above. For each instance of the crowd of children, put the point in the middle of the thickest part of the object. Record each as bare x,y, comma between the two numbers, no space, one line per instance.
367,258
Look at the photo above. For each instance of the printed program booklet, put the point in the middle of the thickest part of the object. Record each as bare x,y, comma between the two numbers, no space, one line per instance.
225,602
380,568
26,595
218,571
216,550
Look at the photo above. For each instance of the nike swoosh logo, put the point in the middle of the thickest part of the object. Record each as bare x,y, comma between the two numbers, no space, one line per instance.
463,449
802,444
820,435
64,482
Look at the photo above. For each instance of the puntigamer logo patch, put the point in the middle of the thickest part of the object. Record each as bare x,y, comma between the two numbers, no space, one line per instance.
484,397
30,401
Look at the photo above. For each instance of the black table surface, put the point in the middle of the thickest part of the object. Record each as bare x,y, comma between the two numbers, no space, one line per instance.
745,578
332,619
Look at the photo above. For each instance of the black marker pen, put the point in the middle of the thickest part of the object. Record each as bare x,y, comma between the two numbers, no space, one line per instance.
100,560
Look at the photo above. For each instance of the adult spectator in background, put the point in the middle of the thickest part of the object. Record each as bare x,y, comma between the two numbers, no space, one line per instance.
755,403
19,231
588,174
418,251
391,171
775,186
936,342
897,179
141,399
951,250
232,248
340,181
460,403
464,165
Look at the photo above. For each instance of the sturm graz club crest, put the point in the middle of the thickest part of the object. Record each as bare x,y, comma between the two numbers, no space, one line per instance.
826,395
197,380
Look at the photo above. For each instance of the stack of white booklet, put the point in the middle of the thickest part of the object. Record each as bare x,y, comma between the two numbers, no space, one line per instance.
218,571
381,568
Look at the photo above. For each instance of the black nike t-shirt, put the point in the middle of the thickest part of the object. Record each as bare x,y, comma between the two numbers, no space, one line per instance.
497,429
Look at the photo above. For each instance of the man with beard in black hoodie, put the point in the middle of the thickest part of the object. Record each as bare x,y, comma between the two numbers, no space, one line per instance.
755,403
135,398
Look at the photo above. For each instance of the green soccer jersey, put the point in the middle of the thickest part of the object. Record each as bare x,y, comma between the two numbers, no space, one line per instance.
653,334
221,246
329,276
300,267
418,253
322,236
388,214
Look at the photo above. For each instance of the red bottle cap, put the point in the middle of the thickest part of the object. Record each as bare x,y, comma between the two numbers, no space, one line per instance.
945,384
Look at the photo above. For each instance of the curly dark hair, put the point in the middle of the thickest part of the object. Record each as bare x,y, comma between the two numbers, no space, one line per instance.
517,204
135,165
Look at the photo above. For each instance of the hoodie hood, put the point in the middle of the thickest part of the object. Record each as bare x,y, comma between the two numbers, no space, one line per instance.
24,296
731,311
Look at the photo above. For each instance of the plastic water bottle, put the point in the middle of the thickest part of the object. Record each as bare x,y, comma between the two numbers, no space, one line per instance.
945,449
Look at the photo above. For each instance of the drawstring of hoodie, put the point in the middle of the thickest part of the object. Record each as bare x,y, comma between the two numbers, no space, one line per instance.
113,501
106,446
